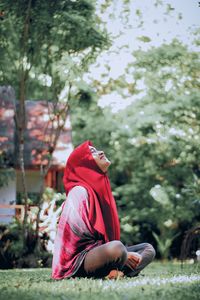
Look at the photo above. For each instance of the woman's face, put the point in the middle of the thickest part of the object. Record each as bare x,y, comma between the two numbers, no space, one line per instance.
100,158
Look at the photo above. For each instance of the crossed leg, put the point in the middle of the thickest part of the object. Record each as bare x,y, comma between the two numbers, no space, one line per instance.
100,261
146,253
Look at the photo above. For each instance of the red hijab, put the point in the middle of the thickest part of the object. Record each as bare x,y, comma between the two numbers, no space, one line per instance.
81,169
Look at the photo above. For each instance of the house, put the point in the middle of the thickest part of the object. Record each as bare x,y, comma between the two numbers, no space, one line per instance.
40,131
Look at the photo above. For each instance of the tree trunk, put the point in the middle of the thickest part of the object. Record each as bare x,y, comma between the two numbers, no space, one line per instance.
21,116
21,128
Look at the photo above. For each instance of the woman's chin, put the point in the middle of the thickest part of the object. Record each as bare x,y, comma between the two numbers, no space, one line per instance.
108,163
106,166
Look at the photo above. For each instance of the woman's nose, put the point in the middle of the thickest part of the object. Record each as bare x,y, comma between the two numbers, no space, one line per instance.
100,152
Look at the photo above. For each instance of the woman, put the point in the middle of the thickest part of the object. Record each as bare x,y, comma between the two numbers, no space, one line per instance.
88,235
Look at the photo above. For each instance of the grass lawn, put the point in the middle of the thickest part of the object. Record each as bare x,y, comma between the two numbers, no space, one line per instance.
166,281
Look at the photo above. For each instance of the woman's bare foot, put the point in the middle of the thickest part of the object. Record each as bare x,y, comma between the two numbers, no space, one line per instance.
115,274
133,260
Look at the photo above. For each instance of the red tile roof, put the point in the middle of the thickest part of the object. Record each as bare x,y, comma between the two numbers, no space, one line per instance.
40,129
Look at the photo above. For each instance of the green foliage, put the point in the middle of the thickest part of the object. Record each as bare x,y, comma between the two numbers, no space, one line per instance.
88,120
16,240
164,242
153,143
163,138
11,244
6,174
144,39
12,251
42,39
166,222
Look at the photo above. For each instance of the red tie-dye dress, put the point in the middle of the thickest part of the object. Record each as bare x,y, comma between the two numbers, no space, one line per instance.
75,235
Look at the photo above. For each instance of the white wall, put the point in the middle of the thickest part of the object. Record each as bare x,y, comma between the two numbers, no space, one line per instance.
8,192
7,196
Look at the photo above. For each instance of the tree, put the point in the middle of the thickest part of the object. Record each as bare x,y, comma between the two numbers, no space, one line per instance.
154,142
162,132
44,46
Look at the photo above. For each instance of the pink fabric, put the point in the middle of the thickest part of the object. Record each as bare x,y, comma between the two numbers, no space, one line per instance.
89,217
75,235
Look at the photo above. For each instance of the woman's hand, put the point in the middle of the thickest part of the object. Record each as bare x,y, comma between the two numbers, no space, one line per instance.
133,260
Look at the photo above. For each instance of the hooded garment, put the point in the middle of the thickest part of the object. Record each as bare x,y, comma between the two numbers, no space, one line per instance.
89,215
